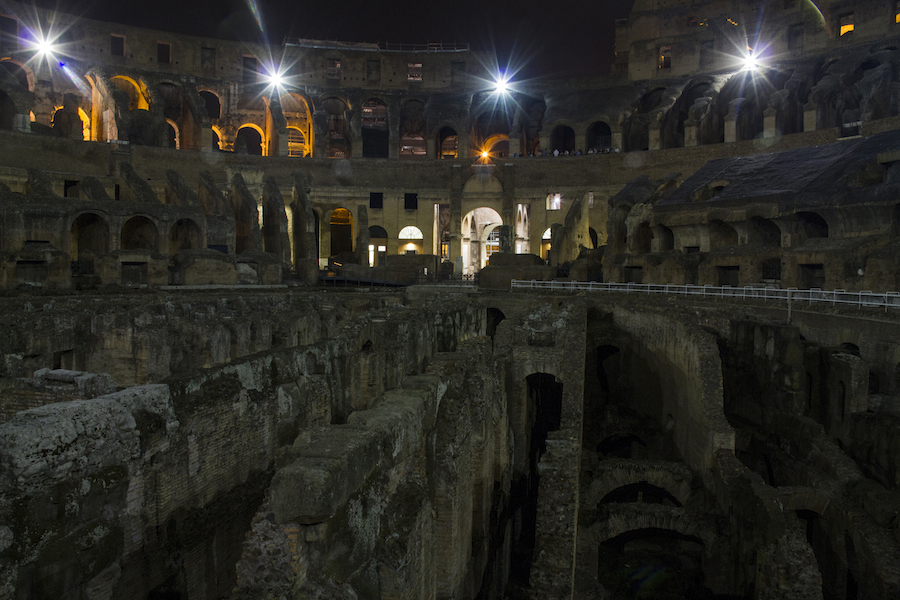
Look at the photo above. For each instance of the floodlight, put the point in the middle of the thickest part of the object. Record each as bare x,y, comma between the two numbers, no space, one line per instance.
484,154
751,63
45,47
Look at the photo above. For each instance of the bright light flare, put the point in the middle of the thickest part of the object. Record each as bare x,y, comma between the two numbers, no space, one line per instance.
751,63
502,85
46,47
275,78
484,154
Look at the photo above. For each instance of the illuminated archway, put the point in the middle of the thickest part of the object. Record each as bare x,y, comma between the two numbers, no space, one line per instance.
249,140
448,142
211,103
174,139
216,138
497,145
137,93
299,122
478,238
83,116
411,240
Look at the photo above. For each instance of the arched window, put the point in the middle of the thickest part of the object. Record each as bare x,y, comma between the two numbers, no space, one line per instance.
448,142
410,232
184,235
211,103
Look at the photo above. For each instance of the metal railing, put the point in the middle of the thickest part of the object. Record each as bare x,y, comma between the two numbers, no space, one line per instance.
864,299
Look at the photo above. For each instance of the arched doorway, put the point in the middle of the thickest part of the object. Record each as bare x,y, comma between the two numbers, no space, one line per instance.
477,227
341,231
599,137
90,235
248,141
562,139
139,233
299,129
185,235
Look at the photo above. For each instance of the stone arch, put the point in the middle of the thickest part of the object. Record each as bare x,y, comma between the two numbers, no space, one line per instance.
341,223
763,231
338,143
375,133
476,226
174,139
89,234
810,225
642,242
624,518
672,132
721,235
297,114
22,73
486,125
179,111
211,103
216,138
665,237
562,138
496,146
611,474
448,142
60,121
139,233
412,129
599,136
185,234
137,91
636,127
249,140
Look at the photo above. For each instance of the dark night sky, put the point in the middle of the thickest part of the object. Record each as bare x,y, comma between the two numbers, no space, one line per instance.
557,37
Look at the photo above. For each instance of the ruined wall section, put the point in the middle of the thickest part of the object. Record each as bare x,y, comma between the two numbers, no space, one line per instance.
685,358
399,501
161,482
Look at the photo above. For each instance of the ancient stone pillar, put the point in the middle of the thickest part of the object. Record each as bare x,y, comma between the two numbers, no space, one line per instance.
809,117
617,140
769,130
691,133
655,141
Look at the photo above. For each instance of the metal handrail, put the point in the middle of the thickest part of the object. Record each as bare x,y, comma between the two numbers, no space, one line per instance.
868,299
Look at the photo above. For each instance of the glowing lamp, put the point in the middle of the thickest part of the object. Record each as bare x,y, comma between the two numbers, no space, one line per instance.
45,47
501,85
484,154
751,63
275,78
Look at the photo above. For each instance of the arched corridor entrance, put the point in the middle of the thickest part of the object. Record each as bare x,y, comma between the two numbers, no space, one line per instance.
480,238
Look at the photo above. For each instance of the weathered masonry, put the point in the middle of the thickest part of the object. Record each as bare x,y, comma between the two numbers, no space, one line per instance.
431,445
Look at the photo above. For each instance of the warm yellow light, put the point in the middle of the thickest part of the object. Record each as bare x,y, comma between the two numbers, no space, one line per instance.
484,154
845,29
